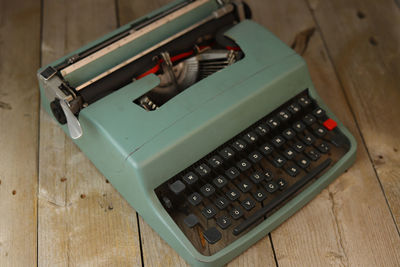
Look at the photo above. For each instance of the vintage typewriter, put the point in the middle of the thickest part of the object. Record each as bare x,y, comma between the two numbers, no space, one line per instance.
204,121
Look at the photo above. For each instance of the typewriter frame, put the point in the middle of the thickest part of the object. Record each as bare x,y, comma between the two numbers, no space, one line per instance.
136,164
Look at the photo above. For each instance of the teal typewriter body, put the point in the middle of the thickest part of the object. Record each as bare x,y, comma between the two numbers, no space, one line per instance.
205,122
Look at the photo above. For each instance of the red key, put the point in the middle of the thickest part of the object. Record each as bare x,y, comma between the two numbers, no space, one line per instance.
330,124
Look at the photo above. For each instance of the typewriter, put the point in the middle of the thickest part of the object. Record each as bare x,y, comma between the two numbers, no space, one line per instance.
205,122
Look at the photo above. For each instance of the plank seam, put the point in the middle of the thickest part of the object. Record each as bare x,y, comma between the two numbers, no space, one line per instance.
117,13
140,239
38,134
339,231
351,111
273,250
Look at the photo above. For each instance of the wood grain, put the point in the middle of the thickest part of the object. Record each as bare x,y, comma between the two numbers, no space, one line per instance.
131,10
365,53
330,229
83,221
19,102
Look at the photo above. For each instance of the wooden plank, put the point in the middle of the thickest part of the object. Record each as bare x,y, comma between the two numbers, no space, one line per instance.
363,38
19,102
349,223
259,254
82,219
156,251
131,10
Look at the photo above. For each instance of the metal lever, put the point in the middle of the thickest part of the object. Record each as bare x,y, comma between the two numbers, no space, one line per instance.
60,101
74,127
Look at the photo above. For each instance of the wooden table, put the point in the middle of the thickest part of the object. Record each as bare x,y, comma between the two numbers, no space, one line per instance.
58,210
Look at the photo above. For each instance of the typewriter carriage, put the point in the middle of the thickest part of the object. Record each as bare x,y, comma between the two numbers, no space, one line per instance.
169,43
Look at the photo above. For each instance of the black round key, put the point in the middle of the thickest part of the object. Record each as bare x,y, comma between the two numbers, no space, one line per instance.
221,203
208,212
289,134
220,181
207,190
278,141
309,119
294,108
255,156
233,194
303,162
250,137
232,173
243,165
319,112
313,154
320,131
268,175
292,170
195,199
281,183
239,145
323,147
299,147
299,126
215,161
203,170
212,235
262,129
289,153
279,161
273,123
266,149
236,213
284,115
245,186
226,153
260,195
304,101
248,204
309,139
257,177
190,178
224,222
271,187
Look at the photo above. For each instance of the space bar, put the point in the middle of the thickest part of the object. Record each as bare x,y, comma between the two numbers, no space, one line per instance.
278,200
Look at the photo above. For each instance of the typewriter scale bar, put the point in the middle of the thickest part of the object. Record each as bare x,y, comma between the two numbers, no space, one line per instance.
244,181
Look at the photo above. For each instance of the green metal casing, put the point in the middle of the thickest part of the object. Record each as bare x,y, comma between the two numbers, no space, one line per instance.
138,150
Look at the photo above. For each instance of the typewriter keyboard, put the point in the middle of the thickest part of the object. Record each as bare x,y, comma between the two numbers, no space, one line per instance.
238,185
